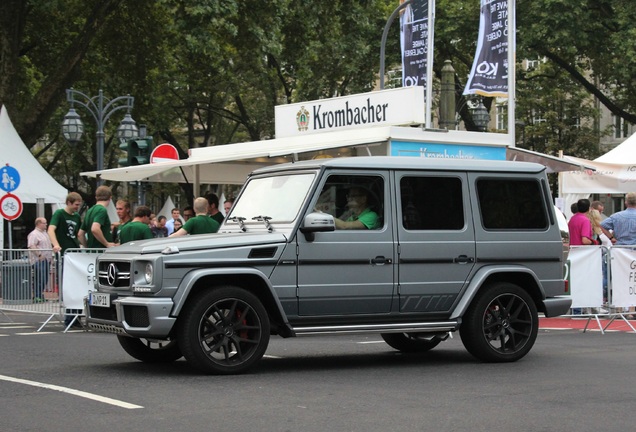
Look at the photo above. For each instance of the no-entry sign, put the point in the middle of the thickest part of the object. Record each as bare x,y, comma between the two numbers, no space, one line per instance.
164,152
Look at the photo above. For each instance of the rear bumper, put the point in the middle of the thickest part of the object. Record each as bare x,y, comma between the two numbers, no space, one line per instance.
555,306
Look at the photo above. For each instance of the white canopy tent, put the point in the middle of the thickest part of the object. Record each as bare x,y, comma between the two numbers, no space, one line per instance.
35,182
614,173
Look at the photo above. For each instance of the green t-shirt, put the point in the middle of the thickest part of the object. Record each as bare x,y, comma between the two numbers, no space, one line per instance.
201,224
66,227
134,230
99,214
369,219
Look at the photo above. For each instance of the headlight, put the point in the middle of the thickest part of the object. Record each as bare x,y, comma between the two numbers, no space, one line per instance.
148,273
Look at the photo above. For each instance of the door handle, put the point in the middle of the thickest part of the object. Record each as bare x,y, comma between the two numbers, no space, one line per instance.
380,260
463,259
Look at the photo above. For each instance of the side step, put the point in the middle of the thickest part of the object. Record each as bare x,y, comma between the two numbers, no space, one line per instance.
424,327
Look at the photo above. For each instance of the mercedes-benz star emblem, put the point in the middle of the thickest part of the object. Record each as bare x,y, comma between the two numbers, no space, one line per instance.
111,275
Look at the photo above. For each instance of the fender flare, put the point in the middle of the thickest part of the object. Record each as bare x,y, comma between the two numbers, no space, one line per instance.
479,279
191,278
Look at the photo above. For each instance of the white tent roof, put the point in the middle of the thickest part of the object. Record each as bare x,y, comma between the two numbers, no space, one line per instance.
624,153
35,181
166,210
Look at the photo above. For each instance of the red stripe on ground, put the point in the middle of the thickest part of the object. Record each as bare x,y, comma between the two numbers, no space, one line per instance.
579,323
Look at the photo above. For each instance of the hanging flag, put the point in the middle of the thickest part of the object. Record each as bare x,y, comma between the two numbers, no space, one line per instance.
414,39
489,74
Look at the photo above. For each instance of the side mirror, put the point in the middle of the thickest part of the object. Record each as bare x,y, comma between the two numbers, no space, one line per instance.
317,222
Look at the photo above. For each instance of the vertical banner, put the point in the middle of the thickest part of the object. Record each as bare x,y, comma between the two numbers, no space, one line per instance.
585,276
414,35
623,276
489,74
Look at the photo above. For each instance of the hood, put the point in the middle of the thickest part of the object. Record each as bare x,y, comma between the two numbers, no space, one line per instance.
198,242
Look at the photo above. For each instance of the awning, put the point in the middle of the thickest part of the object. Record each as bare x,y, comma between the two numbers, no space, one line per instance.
552,163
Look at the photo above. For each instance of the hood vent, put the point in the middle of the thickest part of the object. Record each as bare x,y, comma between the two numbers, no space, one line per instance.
267,252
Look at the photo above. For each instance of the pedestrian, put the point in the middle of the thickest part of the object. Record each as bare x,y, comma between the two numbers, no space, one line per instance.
188,212
40,258
138,228
65,224
620,227
176,215
159,229
95,232
201,223
213,207
122,207
580,225
600,207
227,205
178,225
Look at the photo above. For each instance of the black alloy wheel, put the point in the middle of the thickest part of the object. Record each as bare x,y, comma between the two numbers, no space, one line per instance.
223,330
501,325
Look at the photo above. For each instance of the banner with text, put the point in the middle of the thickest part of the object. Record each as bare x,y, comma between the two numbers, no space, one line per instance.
623,271
489,74
415,31
78,276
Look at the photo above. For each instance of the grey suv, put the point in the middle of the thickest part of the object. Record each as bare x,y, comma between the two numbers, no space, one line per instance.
409,248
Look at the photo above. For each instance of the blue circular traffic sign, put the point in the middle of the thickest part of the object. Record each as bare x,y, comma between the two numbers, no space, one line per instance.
9,178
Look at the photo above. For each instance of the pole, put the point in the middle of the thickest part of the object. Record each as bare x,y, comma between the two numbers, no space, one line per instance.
101,109
447,97
385,34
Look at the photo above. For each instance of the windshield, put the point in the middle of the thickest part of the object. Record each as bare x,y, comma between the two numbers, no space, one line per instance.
278,197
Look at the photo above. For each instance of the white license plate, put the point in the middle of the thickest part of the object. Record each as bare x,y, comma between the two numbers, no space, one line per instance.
99,299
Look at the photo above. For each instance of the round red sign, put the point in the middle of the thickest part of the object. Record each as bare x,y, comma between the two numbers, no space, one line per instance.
164,152
10,207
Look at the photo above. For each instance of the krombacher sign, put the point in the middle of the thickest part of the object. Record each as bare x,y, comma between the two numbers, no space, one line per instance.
403,106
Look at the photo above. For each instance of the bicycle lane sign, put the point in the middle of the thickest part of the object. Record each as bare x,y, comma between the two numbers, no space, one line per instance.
10,207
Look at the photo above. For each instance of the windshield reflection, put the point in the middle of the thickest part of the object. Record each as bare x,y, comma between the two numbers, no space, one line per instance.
278,197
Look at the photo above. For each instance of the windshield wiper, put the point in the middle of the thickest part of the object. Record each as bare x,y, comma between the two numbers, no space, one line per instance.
239,220
265,219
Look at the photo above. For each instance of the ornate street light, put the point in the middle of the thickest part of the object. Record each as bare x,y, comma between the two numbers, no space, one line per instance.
481,117
101,109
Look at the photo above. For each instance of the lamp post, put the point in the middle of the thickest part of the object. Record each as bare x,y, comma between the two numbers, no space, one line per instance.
101,109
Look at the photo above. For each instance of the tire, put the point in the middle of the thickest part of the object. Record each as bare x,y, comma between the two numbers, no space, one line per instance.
150,351
501,324
411,342
223,331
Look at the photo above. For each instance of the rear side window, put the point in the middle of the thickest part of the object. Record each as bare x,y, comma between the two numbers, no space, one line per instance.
511,204
432,203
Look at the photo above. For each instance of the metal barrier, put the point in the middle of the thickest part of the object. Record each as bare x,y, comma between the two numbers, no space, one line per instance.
30,284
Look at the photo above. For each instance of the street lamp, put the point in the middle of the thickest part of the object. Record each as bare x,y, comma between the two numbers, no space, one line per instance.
478,113
101,109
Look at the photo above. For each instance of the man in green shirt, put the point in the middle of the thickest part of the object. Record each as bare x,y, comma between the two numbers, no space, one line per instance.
95,231
65,223
138,229
359,215
201,223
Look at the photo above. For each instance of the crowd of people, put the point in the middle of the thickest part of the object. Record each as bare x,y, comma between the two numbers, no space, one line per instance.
589,226
67,230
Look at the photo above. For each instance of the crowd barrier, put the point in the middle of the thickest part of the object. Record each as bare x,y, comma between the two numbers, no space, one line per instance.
602,282
55,288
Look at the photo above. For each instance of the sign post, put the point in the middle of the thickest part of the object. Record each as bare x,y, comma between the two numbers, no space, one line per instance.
10,205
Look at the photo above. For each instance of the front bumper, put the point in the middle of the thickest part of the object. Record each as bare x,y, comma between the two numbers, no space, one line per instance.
134,316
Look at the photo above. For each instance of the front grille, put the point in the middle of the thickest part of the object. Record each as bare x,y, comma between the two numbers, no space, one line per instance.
136,316
114,274
102,313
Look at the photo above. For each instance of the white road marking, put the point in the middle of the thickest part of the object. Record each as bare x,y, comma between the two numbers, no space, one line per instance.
370,342
79,393
272,357
34,333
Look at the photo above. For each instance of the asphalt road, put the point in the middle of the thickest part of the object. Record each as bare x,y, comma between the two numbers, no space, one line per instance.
570,381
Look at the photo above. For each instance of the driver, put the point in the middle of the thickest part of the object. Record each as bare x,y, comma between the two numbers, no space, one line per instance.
358,215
